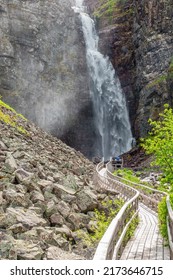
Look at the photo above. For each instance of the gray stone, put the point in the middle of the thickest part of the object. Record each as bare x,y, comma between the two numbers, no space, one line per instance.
16,198
17,228
44,183
60,190
63,208
3,147
37,196
27,250
29,218
57,220
10,162
22,175
86,200
77,220
55,253
7,249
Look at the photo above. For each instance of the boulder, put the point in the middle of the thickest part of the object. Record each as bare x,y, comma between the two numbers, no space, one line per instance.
22,175
15,198
37,196
55,253
7,249
10,163
78,220
63,208
57,220
3,147
60,190
17,228
27,250
29,218
44,183
86,200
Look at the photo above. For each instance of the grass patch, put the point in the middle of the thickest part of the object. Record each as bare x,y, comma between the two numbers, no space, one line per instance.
11,119
104,219
127,174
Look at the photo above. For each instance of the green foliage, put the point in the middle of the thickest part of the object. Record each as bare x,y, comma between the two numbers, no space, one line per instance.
162,214
170,70
131,229
171,199
106,8
157,81
127,174
11,119
160,143
103,219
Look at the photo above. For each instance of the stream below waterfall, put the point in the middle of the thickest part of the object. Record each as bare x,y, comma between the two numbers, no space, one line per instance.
113,130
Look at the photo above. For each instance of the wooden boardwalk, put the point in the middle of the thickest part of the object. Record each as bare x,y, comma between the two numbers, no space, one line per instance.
147,243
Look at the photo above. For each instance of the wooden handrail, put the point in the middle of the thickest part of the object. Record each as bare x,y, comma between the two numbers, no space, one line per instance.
170,225
148,196
111,242
151,202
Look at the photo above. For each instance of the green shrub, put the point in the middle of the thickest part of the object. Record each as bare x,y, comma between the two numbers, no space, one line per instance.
103,219
131,229
162,214
127,174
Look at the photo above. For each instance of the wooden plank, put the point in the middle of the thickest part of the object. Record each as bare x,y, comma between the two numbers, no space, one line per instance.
147,242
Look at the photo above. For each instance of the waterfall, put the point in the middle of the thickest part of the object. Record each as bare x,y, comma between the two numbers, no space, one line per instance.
110,112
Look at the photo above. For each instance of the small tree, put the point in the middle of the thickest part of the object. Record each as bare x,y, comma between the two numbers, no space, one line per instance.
160,143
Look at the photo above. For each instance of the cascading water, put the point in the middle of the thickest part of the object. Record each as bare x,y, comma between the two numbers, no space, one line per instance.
111,117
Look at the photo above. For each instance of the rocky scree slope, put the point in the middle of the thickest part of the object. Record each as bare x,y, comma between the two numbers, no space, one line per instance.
46,194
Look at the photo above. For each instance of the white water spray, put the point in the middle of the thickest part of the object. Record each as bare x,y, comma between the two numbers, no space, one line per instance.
109,105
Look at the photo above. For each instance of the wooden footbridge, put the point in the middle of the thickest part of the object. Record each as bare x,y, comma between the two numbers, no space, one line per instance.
141,201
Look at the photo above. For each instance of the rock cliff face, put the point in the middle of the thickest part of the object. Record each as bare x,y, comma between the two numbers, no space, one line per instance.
153,43
138,38
42,67
42,49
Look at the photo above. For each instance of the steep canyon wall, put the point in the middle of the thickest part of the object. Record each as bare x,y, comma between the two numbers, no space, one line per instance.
43,71
138,37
